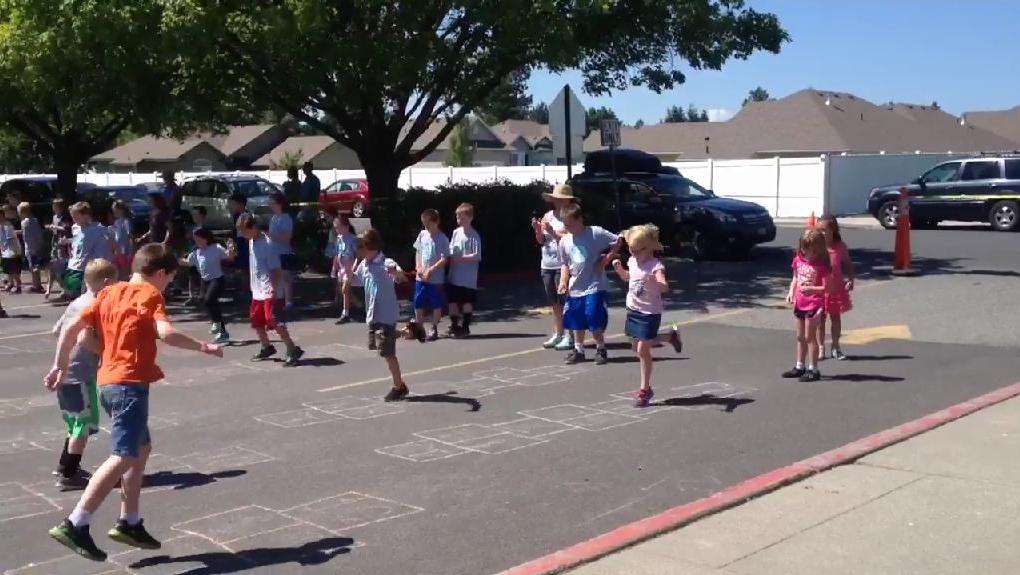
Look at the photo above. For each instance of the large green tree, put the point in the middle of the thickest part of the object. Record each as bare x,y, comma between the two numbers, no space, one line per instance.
759,94
462,151
74,74
593,117
509,101
539,113
376,75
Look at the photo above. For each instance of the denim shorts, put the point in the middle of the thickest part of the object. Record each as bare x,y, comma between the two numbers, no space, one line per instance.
587,312
642,326
128,407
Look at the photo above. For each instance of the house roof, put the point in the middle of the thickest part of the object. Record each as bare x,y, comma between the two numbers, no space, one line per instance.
532,132
814,121
1005,123
158,148
308,146
480,133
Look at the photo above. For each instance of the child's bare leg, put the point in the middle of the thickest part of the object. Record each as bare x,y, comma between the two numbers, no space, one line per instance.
419,316
284,334
263,336
437,316
454,314
644,350
837,330
37,279
76,445
812,342
102,482
131,482
394,366
288,288
557,314
600,338
345,292
802,343
579,336
821,337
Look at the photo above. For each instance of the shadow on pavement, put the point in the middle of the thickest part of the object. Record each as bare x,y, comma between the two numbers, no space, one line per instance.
314,553
184,480
448,397
862,378
320,362
877,357
483,336
730,404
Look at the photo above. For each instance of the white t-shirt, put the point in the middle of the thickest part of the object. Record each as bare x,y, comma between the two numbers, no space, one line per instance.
208,261
262,260
465,243
582,253
432,248
551,259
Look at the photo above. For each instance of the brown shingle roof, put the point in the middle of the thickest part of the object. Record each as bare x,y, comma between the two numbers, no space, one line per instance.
532,132
171,149
1005,123
308,146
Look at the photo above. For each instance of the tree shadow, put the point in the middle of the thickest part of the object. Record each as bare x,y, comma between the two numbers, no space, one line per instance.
448,397
863,378
877,357
729,404
313,553
188,479
320,362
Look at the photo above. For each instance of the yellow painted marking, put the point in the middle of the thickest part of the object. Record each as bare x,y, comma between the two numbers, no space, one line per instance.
518,353
872,334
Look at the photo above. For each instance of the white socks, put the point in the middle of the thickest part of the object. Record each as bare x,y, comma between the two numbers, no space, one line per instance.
79,517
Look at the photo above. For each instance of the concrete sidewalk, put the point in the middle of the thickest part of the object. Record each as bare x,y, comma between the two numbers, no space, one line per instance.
947,501
860,222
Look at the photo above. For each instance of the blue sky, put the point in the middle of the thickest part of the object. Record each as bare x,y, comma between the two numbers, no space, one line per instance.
960,53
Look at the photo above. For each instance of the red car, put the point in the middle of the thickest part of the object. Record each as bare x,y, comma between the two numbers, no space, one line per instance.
346,196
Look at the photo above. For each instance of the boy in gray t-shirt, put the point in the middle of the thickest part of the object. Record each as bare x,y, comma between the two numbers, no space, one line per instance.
462,287
378,274
78,397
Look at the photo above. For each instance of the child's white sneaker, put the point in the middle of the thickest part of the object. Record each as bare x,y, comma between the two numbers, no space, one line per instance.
553,341
566,343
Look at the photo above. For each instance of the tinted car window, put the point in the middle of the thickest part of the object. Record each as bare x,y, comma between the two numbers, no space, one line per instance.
1013,169
251,188
682,188
980,171
942,173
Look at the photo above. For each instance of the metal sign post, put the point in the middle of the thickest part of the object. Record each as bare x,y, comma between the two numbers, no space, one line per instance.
569,148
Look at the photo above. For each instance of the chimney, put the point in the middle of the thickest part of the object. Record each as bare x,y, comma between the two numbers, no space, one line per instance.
963,119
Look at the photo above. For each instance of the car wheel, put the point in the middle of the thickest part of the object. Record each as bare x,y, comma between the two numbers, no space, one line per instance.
358,210
888,213
1003,216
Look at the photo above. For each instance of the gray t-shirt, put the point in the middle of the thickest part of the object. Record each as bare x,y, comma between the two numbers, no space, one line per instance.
582,253
551,259
84,363
380,294
432,248
465,243
281,223
32,233
88,243
208,261
262,260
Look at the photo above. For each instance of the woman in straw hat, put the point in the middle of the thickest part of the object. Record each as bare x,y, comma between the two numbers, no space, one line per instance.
548,231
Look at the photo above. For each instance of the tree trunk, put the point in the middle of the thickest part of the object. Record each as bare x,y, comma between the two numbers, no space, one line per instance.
66,164
385,211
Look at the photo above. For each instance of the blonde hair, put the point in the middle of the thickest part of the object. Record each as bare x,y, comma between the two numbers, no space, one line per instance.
812,244
25,210
98,273
644,235
466,208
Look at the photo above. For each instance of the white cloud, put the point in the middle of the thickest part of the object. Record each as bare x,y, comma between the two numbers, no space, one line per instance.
719,114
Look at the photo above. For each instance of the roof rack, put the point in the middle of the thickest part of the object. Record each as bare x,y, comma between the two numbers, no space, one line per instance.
1014,153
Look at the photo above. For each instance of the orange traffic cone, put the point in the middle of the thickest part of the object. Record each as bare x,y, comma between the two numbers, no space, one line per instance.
811,221
901,255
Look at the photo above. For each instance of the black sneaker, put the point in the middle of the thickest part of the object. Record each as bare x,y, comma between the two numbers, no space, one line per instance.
433,335
76,482
264,353
371,341
453,331
133,535
291,360
465,331
77,539
397,393
675,341
344,318
793,373
417,331
3,314
810,375
574,357
601,357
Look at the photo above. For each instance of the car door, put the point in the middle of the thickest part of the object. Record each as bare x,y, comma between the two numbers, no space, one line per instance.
980,182
937,185
345,197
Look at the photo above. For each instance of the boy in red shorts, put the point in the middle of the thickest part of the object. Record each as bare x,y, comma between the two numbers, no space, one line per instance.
267,305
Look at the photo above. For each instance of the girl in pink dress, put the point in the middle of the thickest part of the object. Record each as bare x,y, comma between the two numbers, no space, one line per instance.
837,298
811,274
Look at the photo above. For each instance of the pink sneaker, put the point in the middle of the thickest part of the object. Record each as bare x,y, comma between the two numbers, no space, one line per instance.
643,397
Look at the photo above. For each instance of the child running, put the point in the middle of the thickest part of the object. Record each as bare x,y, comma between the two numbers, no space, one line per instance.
88,242
60,226
10,251
811,275
837,298
129,317
583,280
343,262
267,305
35,250
198,215
465,255
124,242
77,396
432,249
207,260
378,274
646,277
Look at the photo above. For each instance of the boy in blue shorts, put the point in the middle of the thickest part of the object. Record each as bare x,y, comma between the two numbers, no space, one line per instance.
583,280
432,253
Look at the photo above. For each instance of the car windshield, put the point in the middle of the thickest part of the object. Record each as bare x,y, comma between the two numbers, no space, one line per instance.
682,187
942,173
252,188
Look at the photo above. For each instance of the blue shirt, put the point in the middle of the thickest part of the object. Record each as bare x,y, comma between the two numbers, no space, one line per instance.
347,246
88,243
380,293
464,243
208,261
582,253
281,223
432,248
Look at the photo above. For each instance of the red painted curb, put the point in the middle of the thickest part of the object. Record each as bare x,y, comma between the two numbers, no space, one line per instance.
676,517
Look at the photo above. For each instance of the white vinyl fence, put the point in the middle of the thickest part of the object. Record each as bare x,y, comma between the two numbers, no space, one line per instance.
851,178
787,187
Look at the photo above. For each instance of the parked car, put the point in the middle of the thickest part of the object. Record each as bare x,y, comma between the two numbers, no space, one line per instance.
101,200
213,191
347,196
687,214
39,191
979,189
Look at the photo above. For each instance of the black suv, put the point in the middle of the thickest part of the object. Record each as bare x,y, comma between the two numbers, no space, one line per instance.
213,191
688,215
980,189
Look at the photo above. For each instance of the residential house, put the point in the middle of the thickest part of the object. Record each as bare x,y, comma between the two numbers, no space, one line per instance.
1005,123
489,148
535,135
813,122
323,151
235,148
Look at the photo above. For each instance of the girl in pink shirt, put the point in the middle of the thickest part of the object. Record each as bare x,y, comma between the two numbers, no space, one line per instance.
837,298
811,275
646,277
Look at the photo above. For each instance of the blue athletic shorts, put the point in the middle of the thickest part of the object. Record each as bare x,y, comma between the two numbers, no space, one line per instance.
128,408
586,312
428,296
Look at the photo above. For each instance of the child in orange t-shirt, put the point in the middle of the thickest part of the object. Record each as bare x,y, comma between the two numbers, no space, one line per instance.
128,317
